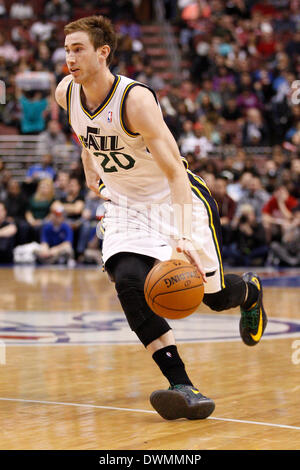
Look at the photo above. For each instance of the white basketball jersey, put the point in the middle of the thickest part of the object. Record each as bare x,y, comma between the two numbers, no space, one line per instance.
127,168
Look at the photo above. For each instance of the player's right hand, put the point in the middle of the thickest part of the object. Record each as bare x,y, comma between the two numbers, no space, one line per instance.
187,248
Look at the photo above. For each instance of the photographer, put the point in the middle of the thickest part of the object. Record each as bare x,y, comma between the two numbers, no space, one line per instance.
249,246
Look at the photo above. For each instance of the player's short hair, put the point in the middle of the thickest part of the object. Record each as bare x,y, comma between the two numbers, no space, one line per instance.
99,29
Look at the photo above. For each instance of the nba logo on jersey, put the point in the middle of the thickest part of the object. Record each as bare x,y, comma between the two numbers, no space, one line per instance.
109,116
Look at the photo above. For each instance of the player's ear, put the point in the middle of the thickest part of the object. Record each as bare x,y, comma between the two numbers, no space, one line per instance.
103,52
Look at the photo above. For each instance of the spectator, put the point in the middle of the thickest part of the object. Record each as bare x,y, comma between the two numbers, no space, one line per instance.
73,204
226,206
39,205
57,10
8,231
249,246
277,213
196,142
93,211
254,196
231,110
16,205
3,11
42,170
237,189
8,50
52,140
255,131
56,238
287,252
41,29
151,79
33,107
21,10
61,184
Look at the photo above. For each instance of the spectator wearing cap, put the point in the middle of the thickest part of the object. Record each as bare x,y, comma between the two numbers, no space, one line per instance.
56,238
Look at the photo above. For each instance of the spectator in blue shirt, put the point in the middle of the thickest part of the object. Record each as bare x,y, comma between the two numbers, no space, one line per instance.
33,107
41,170
56,238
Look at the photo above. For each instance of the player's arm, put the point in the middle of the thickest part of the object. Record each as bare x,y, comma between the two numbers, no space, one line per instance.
144,116
92,174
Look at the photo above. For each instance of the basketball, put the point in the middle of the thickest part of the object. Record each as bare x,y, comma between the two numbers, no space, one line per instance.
174,289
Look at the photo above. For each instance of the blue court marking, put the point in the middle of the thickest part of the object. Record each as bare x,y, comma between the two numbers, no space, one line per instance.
105,328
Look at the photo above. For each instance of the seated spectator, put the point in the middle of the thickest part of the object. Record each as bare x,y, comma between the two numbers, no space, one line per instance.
226,206
277,213
249,245
21,10
52,140
287,252
255,130
254,196
41,29
3,11
151,79
39,205
237,189
56,238
207,89
57,10
196,142
248,100
16,205
93,211
8,231
73,204
231,111
41,170
8,50
61,184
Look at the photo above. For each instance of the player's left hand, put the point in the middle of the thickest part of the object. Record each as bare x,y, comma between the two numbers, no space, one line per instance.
188,249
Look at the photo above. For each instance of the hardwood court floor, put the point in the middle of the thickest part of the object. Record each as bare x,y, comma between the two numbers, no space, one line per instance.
70,381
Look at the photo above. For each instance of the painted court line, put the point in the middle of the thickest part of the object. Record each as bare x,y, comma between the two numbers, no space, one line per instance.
136,410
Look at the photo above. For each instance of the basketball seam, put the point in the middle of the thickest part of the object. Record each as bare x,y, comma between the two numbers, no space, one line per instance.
148,280
180,267
177,290
177,309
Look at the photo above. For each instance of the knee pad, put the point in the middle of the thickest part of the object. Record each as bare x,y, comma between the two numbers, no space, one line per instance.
142,320
231,296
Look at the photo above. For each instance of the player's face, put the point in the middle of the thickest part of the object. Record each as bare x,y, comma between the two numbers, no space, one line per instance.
82,59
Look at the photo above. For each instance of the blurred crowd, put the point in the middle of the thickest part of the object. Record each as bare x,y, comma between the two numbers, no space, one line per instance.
234,111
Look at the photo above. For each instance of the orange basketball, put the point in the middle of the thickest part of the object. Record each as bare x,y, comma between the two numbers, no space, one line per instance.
174,289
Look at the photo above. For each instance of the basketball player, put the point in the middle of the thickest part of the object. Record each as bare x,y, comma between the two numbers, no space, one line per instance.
127,145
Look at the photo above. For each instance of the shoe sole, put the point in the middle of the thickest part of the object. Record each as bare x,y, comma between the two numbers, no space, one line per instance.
249,341
171,405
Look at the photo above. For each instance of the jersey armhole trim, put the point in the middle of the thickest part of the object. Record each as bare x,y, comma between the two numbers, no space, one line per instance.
69,92
122,107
